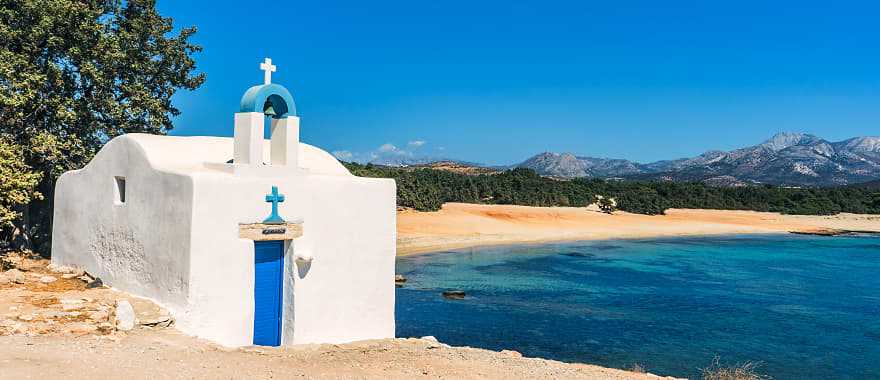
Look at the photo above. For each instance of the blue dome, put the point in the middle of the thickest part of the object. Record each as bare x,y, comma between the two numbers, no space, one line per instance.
278,96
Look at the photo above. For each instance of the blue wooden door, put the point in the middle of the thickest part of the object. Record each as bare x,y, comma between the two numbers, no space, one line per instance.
268,271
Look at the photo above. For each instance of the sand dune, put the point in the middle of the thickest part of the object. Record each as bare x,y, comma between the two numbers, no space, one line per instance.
459,225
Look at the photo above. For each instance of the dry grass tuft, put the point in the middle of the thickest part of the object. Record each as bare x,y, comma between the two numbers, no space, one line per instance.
739,371
637,368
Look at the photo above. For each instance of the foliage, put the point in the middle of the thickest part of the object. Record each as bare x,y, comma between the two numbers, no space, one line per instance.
427,190
606,204
17,183
76,73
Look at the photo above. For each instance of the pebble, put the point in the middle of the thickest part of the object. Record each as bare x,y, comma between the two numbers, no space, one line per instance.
48,279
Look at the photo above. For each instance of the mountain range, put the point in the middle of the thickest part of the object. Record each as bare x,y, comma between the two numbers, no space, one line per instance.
788,159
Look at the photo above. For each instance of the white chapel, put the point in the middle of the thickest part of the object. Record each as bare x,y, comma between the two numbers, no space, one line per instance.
246,240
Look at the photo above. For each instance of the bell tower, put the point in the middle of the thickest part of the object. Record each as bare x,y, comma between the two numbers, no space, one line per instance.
258,102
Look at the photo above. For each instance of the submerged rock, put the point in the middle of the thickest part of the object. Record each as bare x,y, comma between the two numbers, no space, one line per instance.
399,280
453,294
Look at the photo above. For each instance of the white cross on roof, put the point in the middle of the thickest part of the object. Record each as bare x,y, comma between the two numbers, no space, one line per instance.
268,68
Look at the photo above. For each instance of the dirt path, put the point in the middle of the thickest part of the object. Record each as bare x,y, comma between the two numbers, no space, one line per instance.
167,354
54,325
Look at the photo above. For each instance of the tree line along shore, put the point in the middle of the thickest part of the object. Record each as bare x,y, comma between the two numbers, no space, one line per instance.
426,189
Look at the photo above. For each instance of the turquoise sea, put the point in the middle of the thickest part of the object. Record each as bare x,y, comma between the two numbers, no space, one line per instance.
806,307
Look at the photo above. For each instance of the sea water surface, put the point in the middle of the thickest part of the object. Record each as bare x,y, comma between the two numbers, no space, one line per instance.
806,307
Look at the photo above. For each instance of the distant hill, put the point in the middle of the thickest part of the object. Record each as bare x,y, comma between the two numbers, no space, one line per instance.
459,167
869,185
788,159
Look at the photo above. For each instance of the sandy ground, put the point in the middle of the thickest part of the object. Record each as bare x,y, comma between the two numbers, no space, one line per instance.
459,225
65,329
167,354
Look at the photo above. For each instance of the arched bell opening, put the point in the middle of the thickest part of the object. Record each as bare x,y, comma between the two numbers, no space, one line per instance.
267,111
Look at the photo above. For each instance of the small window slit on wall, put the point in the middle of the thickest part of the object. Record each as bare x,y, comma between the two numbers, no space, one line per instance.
119,190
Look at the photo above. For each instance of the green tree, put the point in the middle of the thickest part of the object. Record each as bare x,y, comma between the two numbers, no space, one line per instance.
76,73
606,204
17,184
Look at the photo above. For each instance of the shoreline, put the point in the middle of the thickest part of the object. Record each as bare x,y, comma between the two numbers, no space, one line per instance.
461,226
452,247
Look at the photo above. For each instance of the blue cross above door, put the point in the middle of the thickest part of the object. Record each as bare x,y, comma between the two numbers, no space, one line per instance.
275,198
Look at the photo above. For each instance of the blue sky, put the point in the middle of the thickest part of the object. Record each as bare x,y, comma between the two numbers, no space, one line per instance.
498,81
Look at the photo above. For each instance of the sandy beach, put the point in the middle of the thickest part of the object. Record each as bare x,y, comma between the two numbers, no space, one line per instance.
459,225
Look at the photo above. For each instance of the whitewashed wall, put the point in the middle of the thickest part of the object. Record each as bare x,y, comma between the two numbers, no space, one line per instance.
183,248
141,246
345,294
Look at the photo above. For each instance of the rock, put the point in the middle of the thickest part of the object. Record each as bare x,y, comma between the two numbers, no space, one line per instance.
105,328
68,276
124,315
72,307
432,342
160,321
64,269
511,353
12,327
81,328
96,283
53,314
72,301
26,317
27,265
48,279
15,276
453,294
100,316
